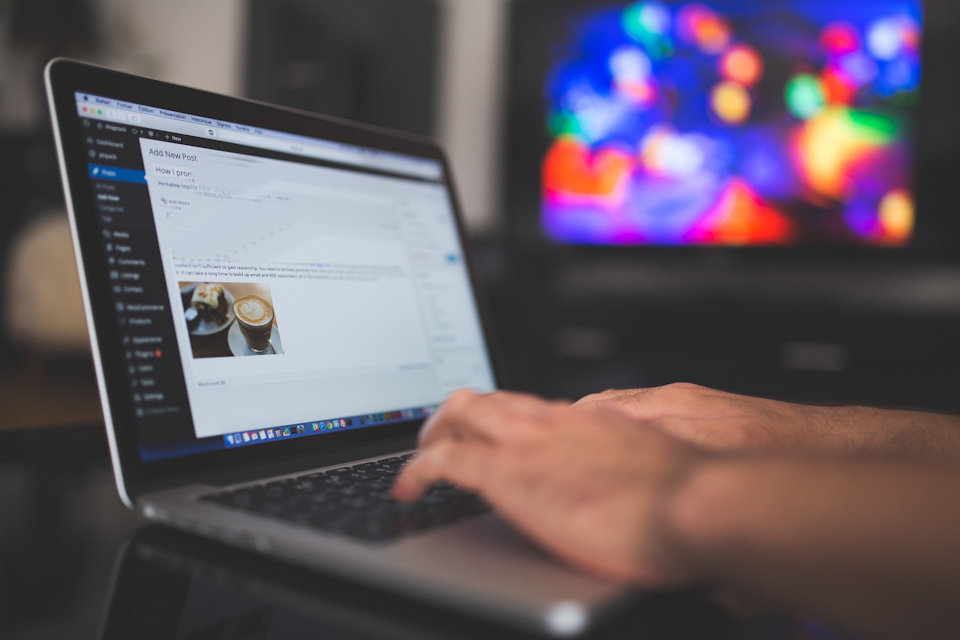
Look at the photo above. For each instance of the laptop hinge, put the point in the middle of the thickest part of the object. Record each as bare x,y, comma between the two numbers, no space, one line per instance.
255,471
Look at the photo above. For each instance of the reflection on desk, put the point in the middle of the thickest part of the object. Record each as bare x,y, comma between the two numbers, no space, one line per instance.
172,585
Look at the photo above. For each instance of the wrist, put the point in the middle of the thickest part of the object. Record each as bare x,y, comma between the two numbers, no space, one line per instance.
841,431
704,517
848,431
690,518
866,432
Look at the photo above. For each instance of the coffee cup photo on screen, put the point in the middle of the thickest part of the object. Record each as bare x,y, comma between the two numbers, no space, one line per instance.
230,319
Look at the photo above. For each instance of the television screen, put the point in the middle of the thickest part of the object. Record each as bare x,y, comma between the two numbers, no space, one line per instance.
733,123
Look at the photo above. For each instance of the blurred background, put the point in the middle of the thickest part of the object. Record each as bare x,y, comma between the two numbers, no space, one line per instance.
755,196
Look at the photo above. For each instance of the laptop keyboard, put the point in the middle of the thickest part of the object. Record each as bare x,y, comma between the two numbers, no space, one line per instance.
355,502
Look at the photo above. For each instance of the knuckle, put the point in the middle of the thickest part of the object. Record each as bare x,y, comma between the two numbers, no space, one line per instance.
458,400
432,462
601,396
680,388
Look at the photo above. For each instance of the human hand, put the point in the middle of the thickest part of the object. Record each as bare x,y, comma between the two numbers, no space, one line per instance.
728,422
589,484
722,421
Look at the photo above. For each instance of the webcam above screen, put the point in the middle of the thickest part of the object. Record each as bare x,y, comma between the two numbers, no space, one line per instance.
749,123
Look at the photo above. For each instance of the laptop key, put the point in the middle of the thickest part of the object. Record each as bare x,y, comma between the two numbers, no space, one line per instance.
355,502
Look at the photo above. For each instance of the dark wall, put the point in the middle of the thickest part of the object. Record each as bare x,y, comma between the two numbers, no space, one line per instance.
374,61
30,185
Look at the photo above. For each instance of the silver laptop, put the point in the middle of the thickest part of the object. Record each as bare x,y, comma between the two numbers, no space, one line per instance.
276,303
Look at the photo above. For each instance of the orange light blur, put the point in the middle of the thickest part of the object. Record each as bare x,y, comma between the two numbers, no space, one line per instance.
713,34
741,217
701,25
742,64
573,172
837,87
897,216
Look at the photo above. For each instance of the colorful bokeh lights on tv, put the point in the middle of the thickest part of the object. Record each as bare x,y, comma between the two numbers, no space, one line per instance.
735,123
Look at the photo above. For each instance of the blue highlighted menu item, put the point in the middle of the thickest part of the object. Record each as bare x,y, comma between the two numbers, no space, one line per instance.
117,174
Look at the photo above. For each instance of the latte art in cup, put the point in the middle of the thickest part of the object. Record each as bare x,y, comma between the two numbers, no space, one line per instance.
255,318
253,311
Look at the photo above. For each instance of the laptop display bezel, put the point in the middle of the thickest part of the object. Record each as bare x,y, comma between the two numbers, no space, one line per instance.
65,78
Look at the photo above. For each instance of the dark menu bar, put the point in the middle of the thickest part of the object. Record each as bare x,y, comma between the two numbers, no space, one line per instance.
137,285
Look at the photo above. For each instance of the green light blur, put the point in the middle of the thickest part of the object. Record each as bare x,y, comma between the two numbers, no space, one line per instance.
640,21
564,123
805,97
876,128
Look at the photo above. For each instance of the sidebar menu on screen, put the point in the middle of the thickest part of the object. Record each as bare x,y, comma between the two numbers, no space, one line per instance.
136,283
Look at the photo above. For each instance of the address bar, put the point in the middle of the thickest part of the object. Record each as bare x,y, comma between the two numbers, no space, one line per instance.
251,140
324,153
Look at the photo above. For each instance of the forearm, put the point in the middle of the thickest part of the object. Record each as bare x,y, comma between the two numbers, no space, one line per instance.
872,547
865,432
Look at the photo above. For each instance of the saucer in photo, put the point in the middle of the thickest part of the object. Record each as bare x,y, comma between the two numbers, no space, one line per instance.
238,345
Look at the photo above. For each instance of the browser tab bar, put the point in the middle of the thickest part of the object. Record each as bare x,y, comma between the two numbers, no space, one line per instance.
189,124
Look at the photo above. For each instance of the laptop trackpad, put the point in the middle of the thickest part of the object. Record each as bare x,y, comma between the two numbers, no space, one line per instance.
494,555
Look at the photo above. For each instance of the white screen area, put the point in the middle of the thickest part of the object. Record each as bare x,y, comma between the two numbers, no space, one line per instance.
365,274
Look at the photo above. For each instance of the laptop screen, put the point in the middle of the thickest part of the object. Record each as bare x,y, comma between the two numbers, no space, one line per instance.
269,286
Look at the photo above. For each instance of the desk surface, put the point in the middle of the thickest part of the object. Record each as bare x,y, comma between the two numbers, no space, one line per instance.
75,564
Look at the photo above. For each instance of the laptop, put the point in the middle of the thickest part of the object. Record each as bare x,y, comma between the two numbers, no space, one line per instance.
276,302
